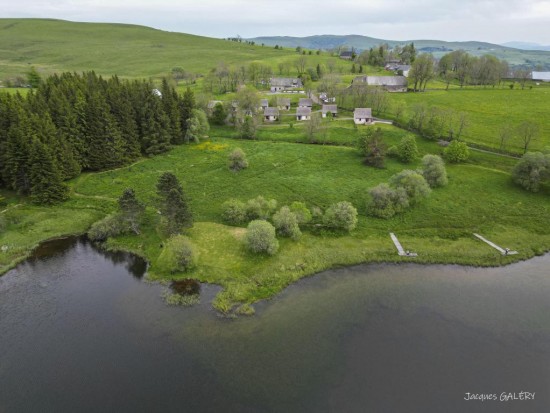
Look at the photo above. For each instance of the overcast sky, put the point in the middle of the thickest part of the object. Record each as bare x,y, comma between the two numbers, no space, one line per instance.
494,21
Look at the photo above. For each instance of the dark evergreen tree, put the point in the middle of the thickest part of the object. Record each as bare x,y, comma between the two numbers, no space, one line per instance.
46,184
131,210
170,103
173,204
186,105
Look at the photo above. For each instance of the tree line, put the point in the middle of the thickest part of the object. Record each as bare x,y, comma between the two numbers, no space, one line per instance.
77,122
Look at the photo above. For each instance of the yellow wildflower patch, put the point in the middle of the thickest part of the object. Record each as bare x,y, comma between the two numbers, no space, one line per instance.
209,146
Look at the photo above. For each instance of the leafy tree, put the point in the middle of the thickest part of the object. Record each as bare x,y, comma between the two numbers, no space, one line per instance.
178,255
341,216
433,170
260,208
422,70
303,215
286,223
413,183
219,114
247,127
385,202
313,127
46,184
237,160
531,169
407,150
131,209
372,147
108,227
527,132
457,152
260,237
234,212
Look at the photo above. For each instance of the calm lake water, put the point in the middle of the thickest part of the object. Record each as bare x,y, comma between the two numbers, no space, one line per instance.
80,331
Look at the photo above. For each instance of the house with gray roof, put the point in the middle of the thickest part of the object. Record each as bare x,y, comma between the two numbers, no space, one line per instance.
363,116
285,84
305,103
263,104
333,109
283,103
303,113
347,55
271,114
390,83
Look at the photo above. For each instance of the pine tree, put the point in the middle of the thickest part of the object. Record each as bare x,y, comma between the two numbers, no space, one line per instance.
173,204
46,184
165,184
131,209
186,105
171,109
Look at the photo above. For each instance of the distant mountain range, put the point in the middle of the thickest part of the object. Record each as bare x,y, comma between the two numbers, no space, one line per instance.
516,53
527,46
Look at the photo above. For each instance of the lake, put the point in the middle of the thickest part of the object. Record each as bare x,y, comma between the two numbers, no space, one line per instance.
81,331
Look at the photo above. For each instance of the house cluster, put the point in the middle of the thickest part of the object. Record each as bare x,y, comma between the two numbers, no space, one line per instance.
389,83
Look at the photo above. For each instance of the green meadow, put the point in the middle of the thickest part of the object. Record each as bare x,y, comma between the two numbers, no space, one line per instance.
490,109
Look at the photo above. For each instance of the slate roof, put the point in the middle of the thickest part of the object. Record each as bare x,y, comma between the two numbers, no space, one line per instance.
305,102
283,101
346,54
303,111
362,113
286,82
271,112
264,103
382,80
329,108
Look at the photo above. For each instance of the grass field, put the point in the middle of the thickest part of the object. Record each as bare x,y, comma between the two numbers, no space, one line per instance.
489,109
127,50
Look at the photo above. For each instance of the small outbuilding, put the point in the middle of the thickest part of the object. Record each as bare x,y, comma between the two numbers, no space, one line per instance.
263,104
542,76
332,109
271,114
347,55
363,116
303,113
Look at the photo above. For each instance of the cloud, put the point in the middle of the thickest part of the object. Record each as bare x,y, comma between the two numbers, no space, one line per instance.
398,19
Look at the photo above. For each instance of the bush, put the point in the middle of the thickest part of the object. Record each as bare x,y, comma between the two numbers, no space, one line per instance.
407,151
385,202
3,223
219,114
237,160
286,223
392,152
234,212
457,152
433,170
531,169
303,215
260,208
260,237
342,215
178,255
413,183
108,227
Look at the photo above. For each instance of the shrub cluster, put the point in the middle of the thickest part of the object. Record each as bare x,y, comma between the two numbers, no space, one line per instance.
457,152
260,237
108,227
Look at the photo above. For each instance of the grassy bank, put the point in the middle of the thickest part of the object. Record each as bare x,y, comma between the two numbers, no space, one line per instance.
480,198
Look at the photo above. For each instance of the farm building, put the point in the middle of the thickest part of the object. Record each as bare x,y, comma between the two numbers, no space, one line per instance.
271,114
263,104
303,113
390,83
543,76
362,116
281,84
305,103
347,55
283,103
333,109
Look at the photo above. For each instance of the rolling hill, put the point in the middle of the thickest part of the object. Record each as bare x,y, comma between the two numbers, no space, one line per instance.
127,50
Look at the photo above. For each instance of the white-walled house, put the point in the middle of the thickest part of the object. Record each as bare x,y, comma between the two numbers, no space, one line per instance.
271,114
362,116
303,113
329,109
305,103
